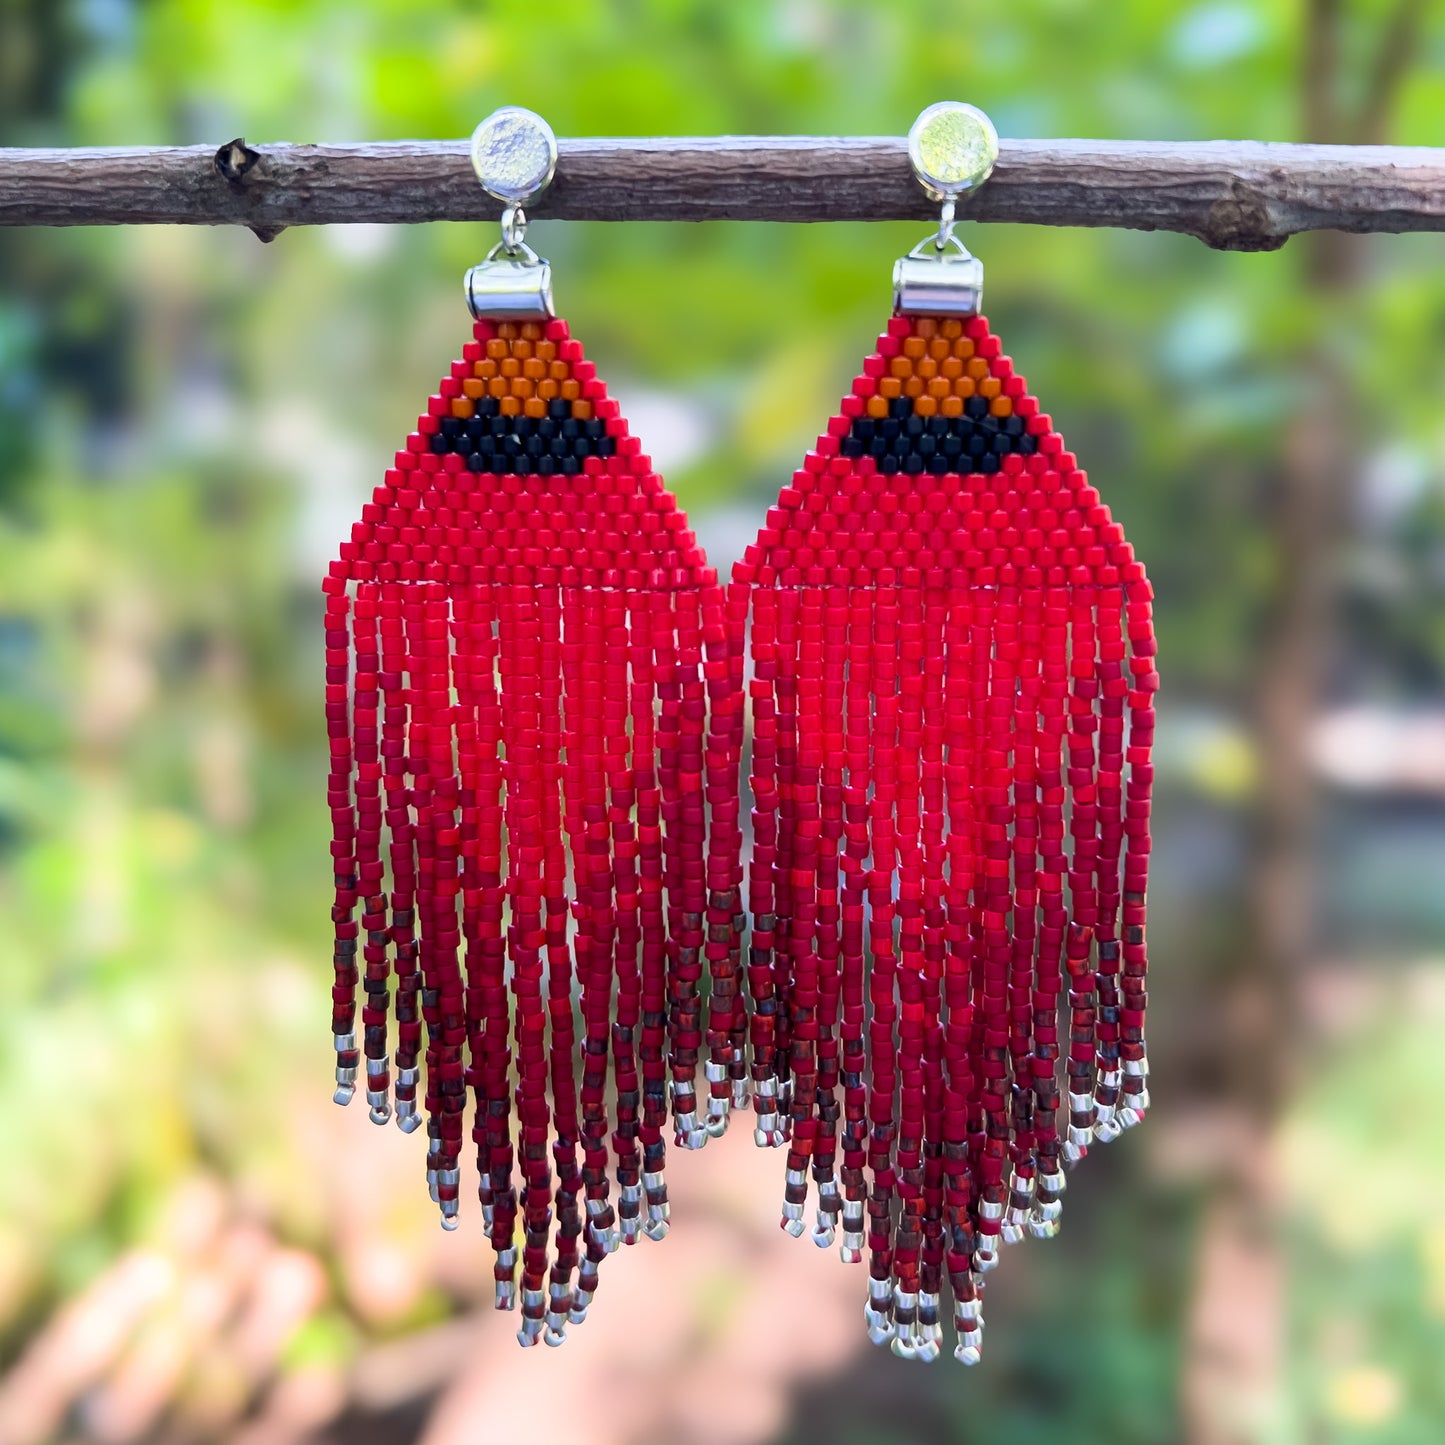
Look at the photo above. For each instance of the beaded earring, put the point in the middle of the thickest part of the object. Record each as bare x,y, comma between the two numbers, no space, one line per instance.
533,703
951,819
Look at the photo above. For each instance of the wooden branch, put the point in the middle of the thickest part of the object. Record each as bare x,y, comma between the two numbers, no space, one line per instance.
1235,195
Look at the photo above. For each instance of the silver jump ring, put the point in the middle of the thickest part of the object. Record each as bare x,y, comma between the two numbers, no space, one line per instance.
945,225
514,230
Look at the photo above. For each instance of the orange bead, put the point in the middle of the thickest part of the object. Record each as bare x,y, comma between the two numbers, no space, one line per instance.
1001,406
497,386
990,387
487,368
963,386
511,406
890,387
914,347
952,406
510,367
534,407
558,370
547,390
940,387
939,348
522,387
963,347
900,366
926,367
952,329
925,406
951,368
532,330
977,368
913,386
570,390
474,388
582,410
877,406
545,351
462,408
497,348
926,327
533,369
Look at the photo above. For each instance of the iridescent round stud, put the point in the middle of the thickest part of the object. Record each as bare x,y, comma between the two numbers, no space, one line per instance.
952,148
514,154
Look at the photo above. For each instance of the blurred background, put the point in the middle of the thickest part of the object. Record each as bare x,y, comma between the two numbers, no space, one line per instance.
194,1244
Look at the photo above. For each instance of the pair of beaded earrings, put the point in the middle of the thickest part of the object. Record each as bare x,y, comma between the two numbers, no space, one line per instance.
535,703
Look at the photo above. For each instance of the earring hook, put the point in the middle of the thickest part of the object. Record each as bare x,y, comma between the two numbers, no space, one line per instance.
952,148
514,155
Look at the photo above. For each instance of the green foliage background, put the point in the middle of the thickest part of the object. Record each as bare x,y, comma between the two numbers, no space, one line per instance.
188,419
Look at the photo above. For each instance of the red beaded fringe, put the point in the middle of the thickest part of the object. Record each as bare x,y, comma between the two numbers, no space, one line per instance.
948,632
534,703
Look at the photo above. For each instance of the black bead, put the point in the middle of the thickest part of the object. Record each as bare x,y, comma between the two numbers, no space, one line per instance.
950,447
864,428
938,426
926,446
581,447
938,464
1028,444
888,464
977,445
988,464
441,444
524,426
878,447
915,426
1002,446
596,428
900,406
607,447
851,447
569,466
976,406
545,466
890,430
913,464
478,462
451,426
1014,426
501,426
560,408
571,428
487,406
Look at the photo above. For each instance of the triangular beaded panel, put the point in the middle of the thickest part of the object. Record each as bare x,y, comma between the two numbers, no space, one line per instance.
939,468
522,470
